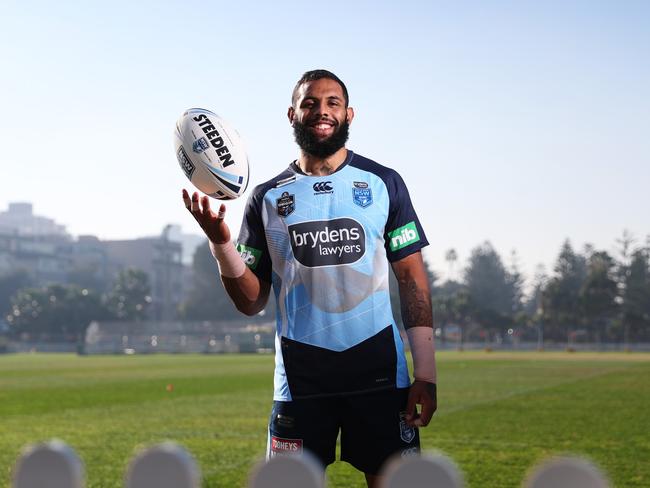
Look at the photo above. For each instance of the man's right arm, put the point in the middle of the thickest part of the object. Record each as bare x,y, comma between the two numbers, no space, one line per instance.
246,290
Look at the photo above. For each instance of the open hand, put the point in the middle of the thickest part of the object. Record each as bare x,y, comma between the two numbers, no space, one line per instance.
212,223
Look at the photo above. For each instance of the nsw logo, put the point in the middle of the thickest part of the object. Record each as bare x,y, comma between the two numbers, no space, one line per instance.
200,145
406,432
249,255
403,236
322,187
361,193
327,242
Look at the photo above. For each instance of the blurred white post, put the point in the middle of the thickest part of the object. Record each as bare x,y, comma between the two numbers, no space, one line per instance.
300,471
566,472
424,471
166,465
52,464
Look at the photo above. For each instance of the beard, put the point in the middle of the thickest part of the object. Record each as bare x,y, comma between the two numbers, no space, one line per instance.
321,148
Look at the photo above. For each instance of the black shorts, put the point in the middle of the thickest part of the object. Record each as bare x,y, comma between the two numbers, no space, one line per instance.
372,428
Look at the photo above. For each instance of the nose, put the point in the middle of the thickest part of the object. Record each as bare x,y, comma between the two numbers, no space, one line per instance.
322,109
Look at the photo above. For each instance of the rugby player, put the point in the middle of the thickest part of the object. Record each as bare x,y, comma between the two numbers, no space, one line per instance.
323,234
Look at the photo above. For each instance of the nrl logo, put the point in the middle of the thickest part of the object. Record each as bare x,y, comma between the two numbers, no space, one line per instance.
286,204
406,432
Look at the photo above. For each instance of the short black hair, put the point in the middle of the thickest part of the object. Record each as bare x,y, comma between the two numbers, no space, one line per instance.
318,74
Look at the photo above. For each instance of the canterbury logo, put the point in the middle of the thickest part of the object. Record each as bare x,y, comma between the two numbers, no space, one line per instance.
323,187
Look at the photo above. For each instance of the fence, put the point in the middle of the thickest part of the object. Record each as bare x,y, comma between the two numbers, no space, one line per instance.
55,465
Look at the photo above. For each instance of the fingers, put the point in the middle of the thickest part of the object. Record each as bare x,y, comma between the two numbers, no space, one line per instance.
186,199
425,414
222,212
192,204
411,408
205,203
423,394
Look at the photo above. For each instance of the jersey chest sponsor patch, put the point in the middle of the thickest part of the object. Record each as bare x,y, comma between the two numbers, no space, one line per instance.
327,242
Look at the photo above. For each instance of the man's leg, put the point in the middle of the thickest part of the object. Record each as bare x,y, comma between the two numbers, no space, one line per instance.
374,429
304,425
372,480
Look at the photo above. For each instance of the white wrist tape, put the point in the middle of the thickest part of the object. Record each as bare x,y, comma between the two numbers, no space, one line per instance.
423,350
230,262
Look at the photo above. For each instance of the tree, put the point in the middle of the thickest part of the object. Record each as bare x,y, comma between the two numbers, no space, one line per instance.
130,296
636,297
493,291
10,283
208,300
57,311
451,256
561,297
515,280
533,307
598,293
451,306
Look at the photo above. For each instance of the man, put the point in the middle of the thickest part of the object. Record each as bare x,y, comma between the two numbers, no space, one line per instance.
322,233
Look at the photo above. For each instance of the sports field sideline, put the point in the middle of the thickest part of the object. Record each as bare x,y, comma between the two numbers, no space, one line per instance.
499,413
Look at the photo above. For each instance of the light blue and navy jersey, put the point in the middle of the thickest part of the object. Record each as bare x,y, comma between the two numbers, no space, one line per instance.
325,243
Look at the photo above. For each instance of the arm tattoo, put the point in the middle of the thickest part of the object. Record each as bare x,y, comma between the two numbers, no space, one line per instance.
415,304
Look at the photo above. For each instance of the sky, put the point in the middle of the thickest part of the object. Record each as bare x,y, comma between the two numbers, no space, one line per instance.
519,123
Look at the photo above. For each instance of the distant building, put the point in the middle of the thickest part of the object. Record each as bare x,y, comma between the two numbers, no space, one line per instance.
50,255
161,259
189,242
20,219
43,257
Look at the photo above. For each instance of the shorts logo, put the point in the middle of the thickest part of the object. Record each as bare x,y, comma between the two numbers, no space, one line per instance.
200,145
403,236
361,194
406,432
323,187
333,242
281,446
410,452
186,165
286,204
249,255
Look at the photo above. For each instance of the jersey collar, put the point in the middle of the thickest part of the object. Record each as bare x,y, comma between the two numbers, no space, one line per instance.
296,168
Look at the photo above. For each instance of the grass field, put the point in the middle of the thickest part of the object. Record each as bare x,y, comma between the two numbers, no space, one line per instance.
498,413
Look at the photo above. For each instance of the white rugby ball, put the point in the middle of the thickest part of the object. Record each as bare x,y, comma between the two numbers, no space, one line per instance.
211,154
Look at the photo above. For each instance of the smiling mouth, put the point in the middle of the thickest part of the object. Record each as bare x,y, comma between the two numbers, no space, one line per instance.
322,128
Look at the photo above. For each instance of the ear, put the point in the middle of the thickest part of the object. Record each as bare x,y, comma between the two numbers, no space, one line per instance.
350,114
291,114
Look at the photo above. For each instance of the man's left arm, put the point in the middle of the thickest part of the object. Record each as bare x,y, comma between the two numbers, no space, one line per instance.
417,316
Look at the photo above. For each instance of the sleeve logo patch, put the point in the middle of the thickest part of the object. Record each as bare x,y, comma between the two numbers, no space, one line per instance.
249,255
403,236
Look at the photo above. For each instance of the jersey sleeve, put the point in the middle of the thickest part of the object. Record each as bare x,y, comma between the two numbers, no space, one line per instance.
251,242
403,234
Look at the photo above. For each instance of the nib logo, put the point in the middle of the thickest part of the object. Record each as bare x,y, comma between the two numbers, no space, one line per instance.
403,236
249,255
